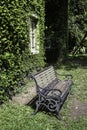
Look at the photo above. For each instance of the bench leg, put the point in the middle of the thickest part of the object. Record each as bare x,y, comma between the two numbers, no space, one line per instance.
58,116
57,112
37,107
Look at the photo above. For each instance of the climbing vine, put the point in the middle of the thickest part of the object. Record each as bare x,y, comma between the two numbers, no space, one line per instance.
16,59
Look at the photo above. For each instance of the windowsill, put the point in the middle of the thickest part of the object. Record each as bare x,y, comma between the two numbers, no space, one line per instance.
34,51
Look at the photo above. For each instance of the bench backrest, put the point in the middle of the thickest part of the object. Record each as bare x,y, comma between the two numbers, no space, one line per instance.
45,77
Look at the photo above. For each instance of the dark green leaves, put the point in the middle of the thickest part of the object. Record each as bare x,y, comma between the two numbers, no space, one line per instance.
15,57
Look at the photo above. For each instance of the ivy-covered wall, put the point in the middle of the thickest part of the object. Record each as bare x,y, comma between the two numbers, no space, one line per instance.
16,59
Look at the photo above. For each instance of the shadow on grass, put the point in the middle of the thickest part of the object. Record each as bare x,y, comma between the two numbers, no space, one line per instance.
73,62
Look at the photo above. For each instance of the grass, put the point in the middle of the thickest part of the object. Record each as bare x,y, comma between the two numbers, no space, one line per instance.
17,117
77,67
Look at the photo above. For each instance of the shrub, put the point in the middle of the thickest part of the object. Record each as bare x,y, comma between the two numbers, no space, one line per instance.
15,57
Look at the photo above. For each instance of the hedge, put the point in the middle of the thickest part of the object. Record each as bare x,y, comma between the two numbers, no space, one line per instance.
16,59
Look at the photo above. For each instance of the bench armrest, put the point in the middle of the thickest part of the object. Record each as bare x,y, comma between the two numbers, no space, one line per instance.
52,91
58,90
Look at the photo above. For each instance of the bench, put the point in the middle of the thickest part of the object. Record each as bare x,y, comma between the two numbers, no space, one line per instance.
51,91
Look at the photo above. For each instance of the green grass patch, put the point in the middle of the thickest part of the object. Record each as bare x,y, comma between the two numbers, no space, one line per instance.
17,117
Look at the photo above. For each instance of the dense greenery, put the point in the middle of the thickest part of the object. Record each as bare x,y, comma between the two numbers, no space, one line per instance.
56,29
16,60
16,117
78,26
15,57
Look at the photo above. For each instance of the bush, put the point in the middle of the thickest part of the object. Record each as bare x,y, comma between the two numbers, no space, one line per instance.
15,56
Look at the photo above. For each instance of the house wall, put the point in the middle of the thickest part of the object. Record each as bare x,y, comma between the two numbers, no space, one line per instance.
16,59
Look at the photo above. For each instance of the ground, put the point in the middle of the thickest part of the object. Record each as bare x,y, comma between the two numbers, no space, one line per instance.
78,108
25,97
77,66
74,111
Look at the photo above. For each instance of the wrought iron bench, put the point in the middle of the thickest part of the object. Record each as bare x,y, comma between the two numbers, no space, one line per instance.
51,91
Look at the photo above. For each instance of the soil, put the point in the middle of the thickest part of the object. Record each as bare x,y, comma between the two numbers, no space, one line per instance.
25,97
78,109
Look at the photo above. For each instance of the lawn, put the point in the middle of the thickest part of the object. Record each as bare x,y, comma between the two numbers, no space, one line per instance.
17,117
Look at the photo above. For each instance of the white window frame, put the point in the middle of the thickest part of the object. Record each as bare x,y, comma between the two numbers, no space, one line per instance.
33,29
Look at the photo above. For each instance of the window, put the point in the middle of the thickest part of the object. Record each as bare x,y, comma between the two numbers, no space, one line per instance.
33,34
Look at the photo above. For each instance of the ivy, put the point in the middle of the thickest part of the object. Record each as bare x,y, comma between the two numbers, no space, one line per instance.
78,26
16,59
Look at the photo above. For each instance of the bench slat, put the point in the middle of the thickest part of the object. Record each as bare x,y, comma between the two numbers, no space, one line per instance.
63,86
45,77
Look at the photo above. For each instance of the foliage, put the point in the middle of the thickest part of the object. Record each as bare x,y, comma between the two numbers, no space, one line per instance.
78,26
15,56
56,27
